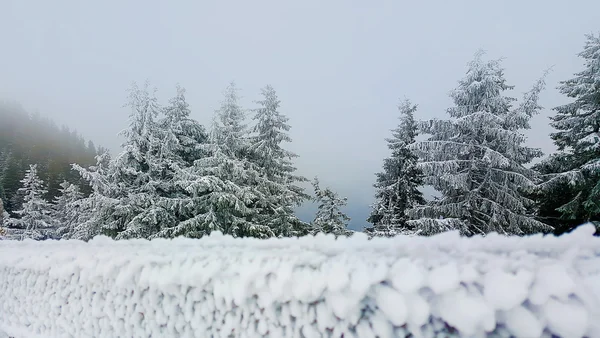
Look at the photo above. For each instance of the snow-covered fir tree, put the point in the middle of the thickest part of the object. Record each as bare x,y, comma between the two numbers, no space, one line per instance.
329,218
136,171
182,142
476,158
281,191
229,130
122,204
96,209
223,184
181,137
5,158
397,186
4,216
572,183
35,220
66,211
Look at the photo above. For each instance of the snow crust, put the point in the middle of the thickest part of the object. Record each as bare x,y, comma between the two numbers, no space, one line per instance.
219,286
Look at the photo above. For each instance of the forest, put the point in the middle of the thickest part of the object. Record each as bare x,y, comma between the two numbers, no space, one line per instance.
30,138
175,177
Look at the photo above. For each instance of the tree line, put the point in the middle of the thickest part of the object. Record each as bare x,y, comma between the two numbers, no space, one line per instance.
176,178
476,158
30,138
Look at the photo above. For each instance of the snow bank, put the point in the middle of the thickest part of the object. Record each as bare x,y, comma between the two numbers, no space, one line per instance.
309,287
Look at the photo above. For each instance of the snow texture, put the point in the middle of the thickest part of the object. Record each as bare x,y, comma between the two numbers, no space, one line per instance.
220,286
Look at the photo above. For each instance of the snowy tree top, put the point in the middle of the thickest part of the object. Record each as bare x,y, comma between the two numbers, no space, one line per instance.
577,121
229,128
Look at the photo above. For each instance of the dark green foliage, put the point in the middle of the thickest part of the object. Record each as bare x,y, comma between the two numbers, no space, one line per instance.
570,193
31,139
560,201
398,184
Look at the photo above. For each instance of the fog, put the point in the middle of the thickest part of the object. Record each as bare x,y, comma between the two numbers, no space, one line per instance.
339,67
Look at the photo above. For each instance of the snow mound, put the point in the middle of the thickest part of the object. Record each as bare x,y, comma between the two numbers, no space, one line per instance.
219,286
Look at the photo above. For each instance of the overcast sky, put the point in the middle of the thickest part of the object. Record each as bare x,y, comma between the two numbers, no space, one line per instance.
339,66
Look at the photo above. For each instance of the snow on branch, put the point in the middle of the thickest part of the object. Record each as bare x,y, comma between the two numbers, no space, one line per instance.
445,285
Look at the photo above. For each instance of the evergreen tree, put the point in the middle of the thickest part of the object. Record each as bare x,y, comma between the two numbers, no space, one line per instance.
398,184
3,231
230,131
223,184
182,144
29,138
12,183
3,214
182,137
124,190
66,209
329,218
281,192
5,159
476,159
34,214
134,171
4,218
98,208
571,189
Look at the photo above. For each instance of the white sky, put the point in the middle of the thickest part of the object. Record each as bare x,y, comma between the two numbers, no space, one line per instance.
339,66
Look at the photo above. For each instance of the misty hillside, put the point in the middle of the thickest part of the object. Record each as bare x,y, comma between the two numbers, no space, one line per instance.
27,138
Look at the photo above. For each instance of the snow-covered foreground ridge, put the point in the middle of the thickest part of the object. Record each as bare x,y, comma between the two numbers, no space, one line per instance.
309,287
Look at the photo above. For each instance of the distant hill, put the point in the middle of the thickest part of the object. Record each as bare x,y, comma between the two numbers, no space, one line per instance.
26,139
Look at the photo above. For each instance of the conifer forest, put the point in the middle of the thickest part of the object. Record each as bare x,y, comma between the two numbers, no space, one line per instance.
176,177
